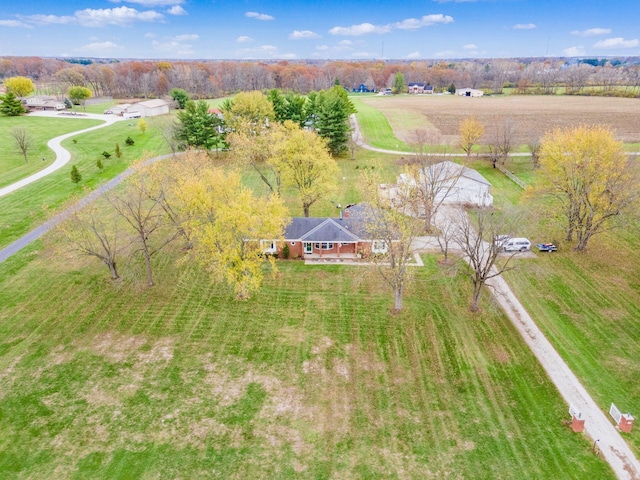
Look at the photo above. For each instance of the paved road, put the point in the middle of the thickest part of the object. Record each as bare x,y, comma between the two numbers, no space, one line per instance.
62,155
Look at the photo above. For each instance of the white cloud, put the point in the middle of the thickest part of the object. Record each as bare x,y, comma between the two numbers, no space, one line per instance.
577,51
524,26
362,55
470,46
617,42
120,16
186,38
322,48
259,16
151,3
150,35
414,55
345,43
591,32
244,39
14,23
445,54
260,52
288,56
407,24
177,10
303,35
100,47
174,47
424,21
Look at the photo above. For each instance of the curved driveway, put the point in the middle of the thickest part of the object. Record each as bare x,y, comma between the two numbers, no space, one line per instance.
62,155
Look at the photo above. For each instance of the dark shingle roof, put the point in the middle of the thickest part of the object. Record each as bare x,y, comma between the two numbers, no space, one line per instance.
347,229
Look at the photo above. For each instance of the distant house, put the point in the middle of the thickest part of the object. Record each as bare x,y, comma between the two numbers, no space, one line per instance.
43,102
317,237
469,92
467,185
420,88
148,108
363,89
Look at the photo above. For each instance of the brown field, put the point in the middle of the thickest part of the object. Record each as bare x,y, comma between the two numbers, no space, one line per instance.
532,116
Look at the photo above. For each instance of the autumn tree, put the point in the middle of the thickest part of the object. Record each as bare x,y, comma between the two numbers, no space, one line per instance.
142,125
226,222
589,173
19,86
471,131
22,140
11,106
386,223
248,110
94,233
479,250
305,165
79,95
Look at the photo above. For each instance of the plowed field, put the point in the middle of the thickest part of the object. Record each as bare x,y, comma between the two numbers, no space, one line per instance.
532,116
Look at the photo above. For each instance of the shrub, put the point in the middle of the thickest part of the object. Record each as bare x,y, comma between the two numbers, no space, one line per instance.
129,141
99,164
118,152
286,251
75,175
106,154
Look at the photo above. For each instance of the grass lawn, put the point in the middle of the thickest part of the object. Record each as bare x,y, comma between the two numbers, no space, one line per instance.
39,130
311,378
28,207
375,127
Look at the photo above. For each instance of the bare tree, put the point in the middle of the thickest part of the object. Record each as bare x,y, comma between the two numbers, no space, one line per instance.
90,232
502,142
393,232
447,235
22,140
144,213
534,145
479,249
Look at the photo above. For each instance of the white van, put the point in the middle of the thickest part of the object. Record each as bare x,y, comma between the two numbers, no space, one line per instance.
517,245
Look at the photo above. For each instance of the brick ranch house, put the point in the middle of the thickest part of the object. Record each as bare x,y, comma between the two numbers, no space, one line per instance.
322,237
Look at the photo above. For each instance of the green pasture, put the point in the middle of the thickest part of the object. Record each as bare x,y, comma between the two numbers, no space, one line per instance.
375,128
39,130
311,378
28,207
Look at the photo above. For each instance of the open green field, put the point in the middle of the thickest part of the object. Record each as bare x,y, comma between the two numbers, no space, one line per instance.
312,378
39,130
28,207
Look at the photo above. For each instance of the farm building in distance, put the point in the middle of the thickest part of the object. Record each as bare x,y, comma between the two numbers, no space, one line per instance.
469,92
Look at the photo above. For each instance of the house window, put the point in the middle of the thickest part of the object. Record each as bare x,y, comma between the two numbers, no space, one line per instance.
379,246
292,243
324,246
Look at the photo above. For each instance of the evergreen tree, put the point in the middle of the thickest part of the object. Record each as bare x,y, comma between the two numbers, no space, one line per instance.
75,175
11,106
197,127
333,108
180,96
398,84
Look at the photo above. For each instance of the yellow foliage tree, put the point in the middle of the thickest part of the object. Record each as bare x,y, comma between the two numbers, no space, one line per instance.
471,131
588,171
305,164
226,223
19,86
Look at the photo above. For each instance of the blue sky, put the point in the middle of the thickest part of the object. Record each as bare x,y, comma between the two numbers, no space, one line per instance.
329,29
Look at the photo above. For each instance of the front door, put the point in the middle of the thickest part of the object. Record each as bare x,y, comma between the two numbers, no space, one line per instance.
308,248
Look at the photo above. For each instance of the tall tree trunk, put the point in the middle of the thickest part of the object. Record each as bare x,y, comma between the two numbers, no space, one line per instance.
112,269
398,299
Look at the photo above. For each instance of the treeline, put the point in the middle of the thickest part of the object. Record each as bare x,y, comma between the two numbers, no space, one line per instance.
209,79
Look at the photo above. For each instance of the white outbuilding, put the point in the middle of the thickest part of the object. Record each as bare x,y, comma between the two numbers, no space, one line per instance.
148,108
469,92
454,184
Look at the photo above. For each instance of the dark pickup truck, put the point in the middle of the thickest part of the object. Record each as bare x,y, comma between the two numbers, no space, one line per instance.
546,247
